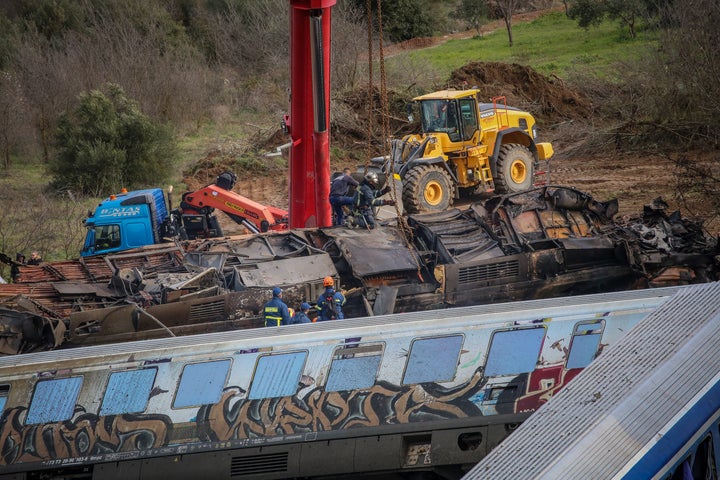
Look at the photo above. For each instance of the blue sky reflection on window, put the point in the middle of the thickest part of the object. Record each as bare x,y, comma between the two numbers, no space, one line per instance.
277,375
514,351
433,359
128,392
584,346
201,383
54,400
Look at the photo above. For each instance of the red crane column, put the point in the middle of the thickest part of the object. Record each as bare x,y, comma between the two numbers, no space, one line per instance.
309,119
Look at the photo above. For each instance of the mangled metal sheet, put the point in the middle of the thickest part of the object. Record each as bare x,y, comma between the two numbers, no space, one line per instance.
375,252
289,270
77,288
24,332
193,316
456,235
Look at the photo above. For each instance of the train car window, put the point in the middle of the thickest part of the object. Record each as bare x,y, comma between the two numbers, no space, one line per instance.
277,375
54,400
201,383
700,463
354,367
584,344
703,465
4,392
514,351
128,392
433,359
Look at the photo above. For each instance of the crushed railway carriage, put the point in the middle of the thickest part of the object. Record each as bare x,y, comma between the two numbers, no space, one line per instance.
548,242
428,392
647,408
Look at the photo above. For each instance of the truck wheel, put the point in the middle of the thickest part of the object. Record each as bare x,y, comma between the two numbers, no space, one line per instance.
514,169
427,188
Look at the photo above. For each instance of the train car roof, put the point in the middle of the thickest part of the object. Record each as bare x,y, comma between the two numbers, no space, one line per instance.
647,387
513,313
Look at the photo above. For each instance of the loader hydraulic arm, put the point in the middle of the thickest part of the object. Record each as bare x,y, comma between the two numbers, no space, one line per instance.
253,215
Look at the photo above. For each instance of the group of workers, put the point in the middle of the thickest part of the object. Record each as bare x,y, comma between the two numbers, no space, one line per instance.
366,197
328,307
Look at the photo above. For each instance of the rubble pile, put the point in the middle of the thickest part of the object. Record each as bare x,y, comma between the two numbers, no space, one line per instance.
547,242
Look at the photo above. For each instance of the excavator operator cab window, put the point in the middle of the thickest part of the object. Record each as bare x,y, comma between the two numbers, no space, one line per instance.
107,236
440,116
468,117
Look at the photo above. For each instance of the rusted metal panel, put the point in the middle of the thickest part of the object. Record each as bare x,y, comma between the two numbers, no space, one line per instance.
288,271
76,288
23,332
131,322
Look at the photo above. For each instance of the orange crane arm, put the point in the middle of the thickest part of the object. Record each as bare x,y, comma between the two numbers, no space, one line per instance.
241,209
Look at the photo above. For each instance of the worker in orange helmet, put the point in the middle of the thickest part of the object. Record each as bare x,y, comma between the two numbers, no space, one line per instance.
330,303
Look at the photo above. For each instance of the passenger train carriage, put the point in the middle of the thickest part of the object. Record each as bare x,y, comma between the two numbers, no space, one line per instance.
648,408
430,392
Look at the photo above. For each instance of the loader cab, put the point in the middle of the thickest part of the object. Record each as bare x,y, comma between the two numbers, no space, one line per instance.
455,117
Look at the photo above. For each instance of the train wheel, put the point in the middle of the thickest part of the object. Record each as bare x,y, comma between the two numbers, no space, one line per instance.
514,169
427,188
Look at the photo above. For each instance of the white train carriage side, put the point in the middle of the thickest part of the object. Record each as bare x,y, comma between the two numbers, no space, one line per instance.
429,393
648,408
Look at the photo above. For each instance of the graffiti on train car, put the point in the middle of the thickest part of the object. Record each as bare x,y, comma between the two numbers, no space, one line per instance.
84,435
236,417
383,404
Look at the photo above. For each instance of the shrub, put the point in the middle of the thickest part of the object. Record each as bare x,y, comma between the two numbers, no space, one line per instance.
107,143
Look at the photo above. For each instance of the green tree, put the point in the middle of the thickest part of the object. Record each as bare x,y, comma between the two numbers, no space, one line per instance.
107,143
628,12
403,19
474,13
505,9
588,13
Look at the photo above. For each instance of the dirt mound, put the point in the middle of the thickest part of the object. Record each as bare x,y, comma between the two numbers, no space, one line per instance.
548,98
352,119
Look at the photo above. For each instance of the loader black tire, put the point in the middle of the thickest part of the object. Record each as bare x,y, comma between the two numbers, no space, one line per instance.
515,169
427,188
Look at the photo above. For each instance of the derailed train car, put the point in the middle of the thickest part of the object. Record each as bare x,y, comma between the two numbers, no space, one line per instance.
549,242
425,394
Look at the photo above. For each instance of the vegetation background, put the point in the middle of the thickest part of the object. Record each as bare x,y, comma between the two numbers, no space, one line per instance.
97,95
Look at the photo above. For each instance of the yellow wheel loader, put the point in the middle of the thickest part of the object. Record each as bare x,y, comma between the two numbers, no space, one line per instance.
465,146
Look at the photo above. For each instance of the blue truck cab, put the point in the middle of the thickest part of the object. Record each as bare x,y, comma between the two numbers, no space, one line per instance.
126,220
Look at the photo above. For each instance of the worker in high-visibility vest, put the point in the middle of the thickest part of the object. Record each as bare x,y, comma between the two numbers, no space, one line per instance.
276,312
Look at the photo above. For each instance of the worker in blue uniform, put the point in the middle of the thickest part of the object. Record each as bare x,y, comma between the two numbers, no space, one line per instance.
330,303
366,199
276,312
302,315
339,188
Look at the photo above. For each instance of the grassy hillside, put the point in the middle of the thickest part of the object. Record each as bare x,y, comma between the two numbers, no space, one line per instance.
551,44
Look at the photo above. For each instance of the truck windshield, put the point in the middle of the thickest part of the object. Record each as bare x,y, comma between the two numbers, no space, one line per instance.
107,236
440,116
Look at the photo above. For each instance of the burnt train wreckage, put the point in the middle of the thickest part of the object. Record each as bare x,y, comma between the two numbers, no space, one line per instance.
548,242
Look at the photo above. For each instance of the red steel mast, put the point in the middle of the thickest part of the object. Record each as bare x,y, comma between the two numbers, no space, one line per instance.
309,119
